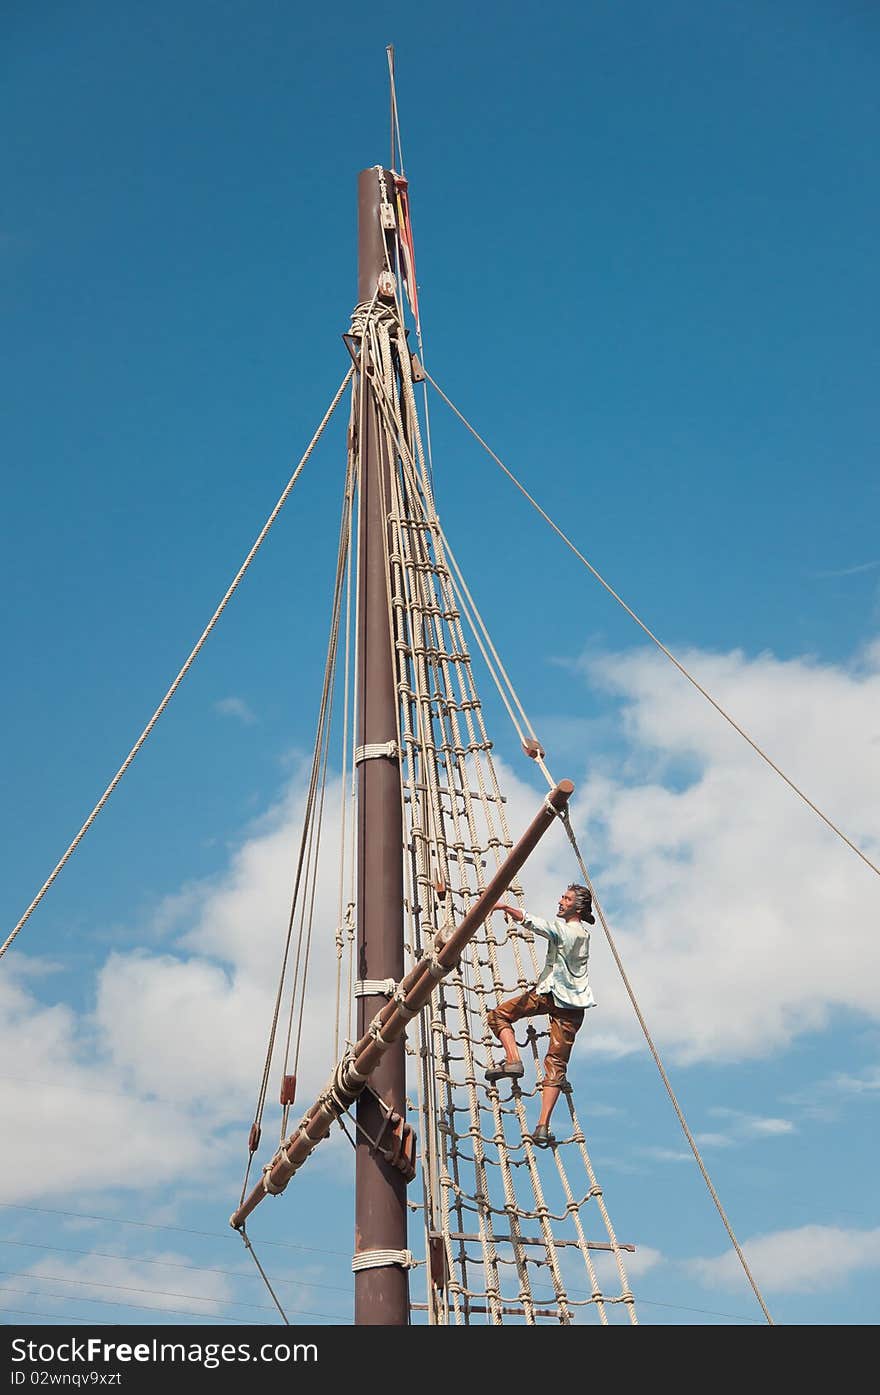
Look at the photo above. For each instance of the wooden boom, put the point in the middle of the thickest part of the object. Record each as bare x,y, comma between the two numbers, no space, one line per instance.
412,993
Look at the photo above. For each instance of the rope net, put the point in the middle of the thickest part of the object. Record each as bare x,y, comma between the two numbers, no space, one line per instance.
510,1229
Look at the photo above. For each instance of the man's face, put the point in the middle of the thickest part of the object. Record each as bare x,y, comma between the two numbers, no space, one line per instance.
567,902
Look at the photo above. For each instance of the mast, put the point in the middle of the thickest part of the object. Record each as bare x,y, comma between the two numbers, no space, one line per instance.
381,1293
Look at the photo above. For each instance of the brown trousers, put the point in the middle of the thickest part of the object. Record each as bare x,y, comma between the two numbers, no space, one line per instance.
564,1024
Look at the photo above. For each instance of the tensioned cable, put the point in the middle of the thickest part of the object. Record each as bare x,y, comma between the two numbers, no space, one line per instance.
642,626
566,819
180,1229
264,1276
659,1064
322,755
395,132
429,644
117,1303
395,122
264,1307
30,1312
163,1263
131,1288
303,867
184,670
346,690
605,926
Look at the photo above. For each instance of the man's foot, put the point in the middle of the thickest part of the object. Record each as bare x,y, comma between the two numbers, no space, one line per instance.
511,1070
542,1136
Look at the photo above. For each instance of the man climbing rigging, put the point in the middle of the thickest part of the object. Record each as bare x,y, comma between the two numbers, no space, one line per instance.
562,991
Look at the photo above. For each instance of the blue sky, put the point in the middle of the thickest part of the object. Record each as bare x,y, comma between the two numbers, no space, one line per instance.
646,241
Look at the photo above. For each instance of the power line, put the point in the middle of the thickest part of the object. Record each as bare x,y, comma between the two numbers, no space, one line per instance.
155,1225
114,1303
29,1312
707,1312
129,1288
167,1263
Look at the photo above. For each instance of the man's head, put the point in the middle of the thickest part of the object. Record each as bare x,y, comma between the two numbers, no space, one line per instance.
576,903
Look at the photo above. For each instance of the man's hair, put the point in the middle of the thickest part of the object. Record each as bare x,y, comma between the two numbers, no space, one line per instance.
583,902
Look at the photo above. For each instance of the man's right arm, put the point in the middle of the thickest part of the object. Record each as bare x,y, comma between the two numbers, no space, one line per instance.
513,911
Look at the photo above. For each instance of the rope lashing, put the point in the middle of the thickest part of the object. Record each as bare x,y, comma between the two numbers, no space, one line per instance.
400,999
376,750
268,1185
371,987
382,1259
375,1031
370,312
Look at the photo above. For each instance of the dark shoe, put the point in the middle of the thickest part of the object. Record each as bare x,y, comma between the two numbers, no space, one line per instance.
542,1136
510,1070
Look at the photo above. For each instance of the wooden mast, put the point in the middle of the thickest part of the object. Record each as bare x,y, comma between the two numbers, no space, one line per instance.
381,1293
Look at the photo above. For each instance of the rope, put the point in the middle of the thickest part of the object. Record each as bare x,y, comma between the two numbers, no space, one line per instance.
305,858
346,689
381,1259
570,833
459,828
182,674
249,1247
659,1064
662,647
395,122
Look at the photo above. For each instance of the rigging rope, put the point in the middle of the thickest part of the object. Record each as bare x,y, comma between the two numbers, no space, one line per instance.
458,831
183,672
662,647
418,564
306,867
252,1252
395,121
659,1064
566,819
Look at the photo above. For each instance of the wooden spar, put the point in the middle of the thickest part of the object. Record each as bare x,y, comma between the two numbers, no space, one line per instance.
354,1071
381,1295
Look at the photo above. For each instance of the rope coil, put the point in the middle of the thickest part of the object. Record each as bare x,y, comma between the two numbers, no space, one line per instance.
382,1259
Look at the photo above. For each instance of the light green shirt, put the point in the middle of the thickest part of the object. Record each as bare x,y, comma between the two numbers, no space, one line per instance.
565,972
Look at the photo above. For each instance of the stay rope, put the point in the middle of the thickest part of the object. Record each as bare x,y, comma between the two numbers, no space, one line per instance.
662,647
484,639
458,829
261,537
305,875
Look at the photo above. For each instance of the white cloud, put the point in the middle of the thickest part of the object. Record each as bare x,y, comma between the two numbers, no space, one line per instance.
849,571
114,1137
168,1282
867,1083
161,1079
636,1265
742,921
810,1259
771,1128
752,1125
235,707
668,1154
